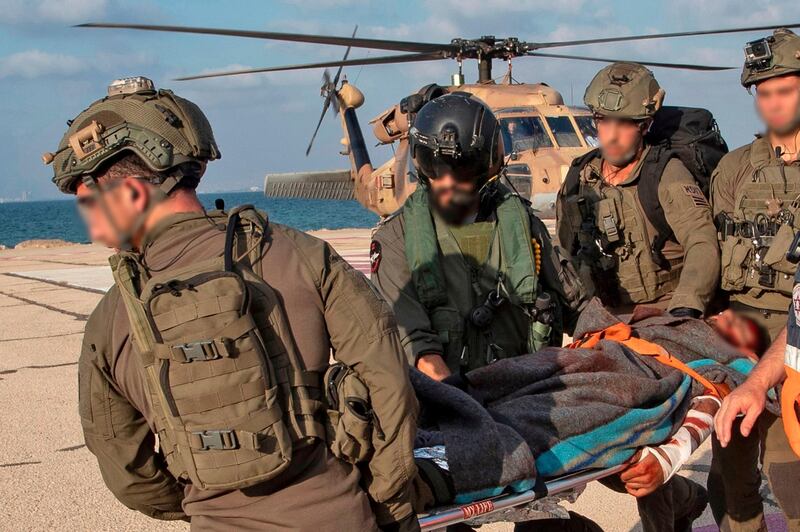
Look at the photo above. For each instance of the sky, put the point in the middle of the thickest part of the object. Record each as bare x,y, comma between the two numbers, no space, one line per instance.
50,71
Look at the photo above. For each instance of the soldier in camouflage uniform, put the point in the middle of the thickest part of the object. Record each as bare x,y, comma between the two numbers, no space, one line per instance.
209,409
755,194
601,220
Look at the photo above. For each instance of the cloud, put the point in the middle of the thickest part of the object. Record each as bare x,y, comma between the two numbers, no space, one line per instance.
36,64
51,11
322,4
33,64
479,8
734,12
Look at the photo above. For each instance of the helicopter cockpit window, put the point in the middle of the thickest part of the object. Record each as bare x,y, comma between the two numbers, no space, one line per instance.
588,130
524,133
563,131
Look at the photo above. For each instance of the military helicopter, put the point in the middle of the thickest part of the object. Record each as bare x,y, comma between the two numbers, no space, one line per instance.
541,134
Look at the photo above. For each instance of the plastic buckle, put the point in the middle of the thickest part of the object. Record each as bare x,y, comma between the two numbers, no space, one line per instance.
218,440
197,350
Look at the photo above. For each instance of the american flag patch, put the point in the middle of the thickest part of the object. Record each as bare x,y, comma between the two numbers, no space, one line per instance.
696,195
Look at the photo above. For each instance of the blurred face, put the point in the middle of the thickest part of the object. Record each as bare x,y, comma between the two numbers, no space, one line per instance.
620,139
778,103
454,200
125,201
736,330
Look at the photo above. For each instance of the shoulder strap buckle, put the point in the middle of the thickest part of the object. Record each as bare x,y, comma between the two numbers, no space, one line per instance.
217,440
199,351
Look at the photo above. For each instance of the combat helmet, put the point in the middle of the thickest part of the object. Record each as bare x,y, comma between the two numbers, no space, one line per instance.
460,133
770,57
165,131
624,90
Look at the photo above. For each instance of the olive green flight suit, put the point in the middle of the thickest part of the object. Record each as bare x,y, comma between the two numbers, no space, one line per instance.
740,189
631,277
330,308
627,275
460,263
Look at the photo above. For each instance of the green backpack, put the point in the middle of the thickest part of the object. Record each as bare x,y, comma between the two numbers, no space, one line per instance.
229,389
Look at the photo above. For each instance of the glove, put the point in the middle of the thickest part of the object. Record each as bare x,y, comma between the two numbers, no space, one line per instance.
685,312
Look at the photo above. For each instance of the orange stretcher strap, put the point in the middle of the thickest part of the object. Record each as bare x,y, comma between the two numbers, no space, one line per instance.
622,333
789,396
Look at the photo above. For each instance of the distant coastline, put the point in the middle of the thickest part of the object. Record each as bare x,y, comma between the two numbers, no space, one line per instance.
58,219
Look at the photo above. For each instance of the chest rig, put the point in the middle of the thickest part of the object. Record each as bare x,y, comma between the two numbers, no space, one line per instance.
612,240
228,388
478,282
755,239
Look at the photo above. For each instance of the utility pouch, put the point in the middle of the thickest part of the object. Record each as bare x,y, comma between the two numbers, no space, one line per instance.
230,392
608,219
215,380
351,420
776,256
736,252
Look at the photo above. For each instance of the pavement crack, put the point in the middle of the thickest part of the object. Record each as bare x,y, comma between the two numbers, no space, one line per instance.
37,366
15,464
55,283
71,448
39,337
77,315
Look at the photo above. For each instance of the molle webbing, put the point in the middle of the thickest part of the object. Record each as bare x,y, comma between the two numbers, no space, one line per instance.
230,393
422,249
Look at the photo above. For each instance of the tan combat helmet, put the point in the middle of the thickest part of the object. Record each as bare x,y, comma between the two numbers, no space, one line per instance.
162,129
624,90
770,57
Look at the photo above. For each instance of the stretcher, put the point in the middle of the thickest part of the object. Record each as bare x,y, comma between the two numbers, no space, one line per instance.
442,517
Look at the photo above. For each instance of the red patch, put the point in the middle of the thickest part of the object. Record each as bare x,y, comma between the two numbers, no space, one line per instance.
374,256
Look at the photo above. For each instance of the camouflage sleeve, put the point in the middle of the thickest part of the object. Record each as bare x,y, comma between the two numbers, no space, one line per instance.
558,275
119,437
391,277
363,335
688,213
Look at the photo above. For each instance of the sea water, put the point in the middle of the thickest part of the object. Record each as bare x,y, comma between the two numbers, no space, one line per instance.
59,219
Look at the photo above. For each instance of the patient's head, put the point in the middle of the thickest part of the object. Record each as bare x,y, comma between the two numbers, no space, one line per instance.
740,331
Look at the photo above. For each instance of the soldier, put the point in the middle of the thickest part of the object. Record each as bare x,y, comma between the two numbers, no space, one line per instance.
607,208
754,193
622,258
201,369
479,280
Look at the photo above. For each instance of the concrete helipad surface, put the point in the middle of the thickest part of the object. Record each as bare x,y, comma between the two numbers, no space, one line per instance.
48,479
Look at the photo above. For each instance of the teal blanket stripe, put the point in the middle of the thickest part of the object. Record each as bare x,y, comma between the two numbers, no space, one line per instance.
615,442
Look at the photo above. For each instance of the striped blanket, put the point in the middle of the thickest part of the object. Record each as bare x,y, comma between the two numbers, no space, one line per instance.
564,410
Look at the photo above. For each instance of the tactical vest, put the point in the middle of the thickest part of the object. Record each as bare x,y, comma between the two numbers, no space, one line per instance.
230,394
614,242
755,240
458,271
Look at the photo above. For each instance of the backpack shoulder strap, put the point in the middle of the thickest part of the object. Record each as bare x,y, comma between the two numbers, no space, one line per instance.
652,169
245,234
572,179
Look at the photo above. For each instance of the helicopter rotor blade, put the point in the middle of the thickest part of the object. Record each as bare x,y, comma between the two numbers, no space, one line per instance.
325,107
330,87
646,63
535,46
378,44
380,60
